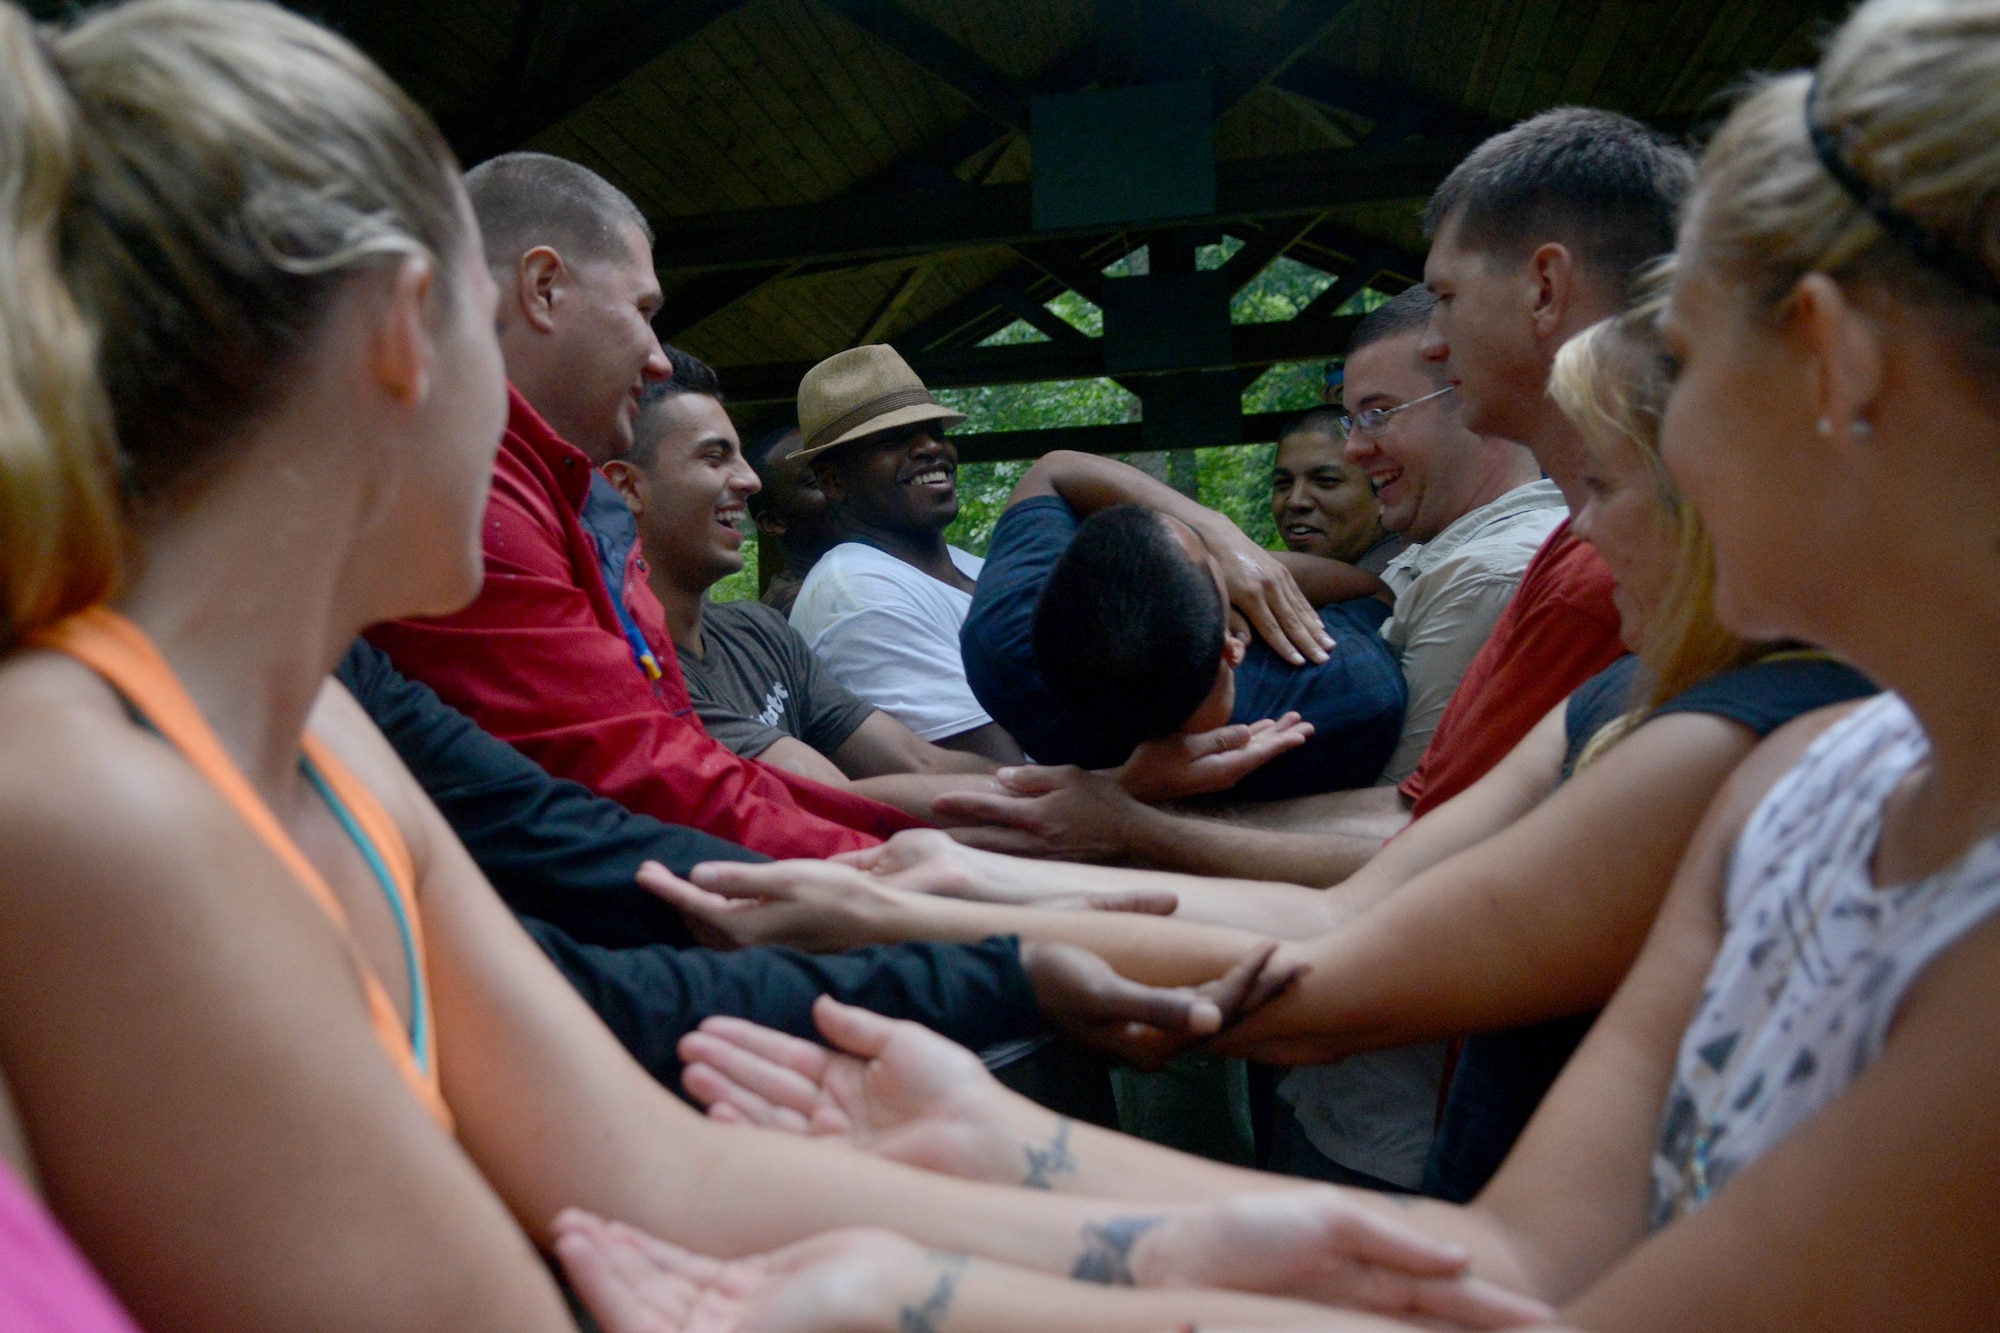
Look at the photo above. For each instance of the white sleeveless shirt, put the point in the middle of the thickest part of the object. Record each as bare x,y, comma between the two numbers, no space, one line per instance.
1815,959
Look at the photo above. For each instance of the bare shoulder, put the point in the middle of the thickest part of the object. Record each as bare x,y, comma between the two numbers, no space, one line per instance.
1775,756
340,723
74,765
97,813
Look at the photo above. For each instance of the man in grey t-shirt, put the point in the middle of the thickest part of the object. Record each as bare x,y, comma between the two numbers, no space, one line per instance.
756,683
756,686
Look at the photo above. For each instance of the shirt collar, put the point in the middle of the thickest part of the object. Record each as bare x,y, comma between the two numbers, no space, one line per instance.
528,432
1524,499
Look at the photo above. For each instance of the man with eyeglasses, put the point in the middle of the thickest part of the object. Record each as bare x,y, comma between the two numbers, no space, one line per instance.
1472,510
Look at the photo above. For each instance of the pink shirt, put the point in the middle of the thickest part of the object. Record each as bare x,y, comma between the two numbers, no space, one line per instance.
45,1285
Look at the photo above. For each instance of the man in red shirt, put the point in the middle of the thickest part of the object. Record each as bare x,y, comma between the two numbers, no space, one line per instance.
1535,237
560,656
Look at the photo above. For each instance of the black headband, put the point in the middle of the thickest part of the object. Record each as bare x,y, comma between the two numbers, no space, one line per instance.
1924,246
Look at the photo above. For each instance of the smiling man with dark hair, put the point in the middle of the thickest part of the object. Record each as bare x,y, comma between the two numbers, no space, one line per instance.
756,686
883,608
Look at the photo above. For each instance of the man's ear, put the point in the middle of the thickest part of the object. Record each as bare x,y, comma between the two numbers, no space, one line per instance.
1551,287
827,476
770,524
631,484
538,282
402,348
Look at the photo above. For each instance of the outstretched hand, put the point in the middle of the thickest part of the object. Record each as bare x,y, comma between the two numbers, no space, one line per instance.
933,862
1182,765
1317,1244
1065,814
887,1087
815,905
1081,995
636,1283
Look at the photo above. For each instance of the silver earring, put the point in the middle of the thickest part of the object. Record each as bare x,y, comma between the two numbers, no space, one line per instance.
1824,426
1861,430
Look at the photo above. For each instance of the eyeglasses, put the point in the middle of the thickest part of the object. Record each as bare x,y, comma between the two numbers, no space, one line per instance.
1371,420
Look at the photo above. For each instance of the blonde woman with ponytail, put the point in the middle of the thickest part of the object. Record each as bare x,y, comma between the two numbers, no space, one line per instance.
281,1057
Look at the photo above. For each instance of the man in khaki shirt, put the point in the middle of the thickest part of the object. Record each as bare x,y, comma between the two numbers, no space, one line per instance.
1472,509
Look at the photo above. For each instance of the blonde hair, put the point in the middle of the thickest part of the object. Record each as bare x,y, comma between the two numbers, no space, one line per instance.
185,185
1908,97
1611,381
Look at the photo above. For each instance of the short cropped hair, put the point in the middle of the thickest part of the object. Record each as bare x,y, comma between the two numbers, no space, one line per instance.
1407,312
1601,183
523,200
691,375
759,455
1315,421
1128,630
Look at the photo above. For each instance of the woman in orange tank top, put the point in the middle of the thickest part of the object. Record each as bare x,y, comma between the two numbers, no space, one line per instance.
282,1057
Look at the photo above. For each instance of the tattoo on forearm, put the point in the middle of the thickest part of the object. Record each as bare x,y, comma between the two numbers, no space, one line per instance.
1052,1160
1107,1250
929,1317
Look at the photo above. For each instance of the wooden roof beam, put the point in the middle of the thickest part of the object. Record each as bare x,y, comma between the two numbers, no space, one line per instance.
865,227
1123,437
1263,55
1397,109
979,83
1250,345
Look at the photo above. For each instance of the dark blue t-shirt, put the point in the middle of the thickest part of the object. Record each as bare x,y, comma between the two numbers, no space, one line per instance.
1354,700
1502,1076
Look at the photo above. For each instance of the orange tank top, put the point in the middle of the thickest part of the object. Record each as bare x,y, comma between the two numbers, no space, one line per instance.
120,652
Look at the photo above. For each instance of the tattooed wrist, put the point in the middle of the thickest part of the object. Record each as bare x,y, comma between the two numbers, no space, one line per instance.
929,1317
1051,1160
1107,1250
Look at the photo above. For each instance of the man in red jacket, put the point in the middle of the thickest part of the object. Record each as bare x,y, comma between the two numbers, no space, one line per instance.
560,656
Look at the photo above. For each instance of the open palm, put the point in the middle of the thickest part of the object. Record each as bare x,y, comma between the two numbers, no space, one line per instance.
636,1283
894,1089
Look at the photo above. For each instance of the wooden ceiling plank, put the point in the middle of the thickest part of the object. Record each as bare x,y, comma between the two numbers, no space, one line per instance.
871,92
799,145
1539,84
1524,52
697,105
1264,54
1609,23
986,88
604,60
672,96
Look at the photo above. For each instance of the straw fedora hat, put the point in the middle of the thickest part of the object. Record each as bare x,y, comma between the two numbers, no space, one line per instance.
859,392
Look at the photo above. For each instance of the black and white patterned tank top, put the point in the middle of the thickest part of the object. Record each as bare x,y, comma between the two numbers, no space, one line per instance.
1815,959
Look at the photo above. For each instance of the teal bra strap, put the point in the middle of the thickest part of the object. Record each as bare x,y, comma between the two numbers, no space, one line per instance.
419,1034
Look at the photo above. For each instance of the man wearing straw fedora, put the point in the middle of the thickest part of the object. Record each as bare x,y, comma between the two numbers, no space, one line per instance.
883,608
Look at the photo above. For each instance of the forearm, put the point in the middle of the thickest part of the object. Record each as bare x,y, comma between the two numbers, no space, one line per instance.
1323,580
996,1298
915,792
1154,950
1281,911
1169,841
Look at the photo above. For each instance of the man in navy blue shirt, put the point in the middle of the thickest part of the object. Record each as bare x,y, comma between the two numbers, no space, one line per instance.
1079,652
